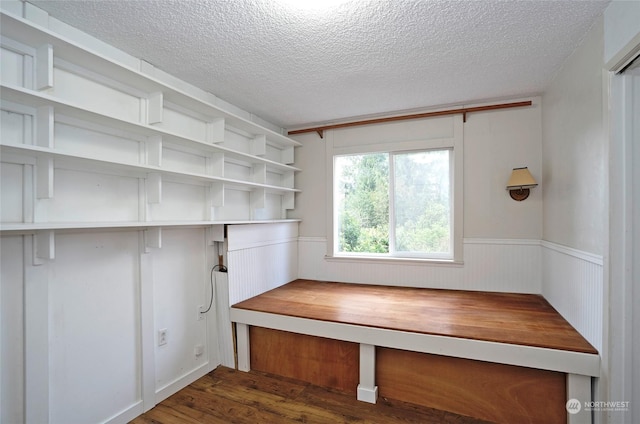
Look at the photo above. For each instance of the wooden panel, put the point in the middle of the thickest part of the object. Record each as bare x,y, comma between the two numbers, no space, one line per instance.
522,319
324,362
493,392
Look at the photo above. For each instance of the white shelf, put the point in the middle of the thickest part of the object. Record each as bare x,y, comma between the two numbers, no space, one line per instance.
62,226
168,131
71,161
34,99
26,32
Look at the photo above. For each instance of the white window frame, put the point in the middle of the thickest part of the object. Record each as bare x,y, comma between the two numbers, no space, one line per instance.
455,143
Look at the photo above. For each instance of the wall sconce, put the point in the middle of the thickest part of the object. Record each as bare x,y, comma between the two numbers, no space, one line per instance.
519,184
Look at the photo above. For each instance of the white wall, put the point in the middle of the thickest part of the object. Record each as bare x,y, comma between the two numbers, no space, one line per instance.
501,235
574,150
495,142
575,171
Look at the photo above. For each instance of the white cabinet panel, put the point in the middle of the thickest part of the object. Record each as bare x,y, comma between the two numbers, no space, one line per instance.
180,202
179,271
94,326
86,196
95,143
11,200
95,96
12,68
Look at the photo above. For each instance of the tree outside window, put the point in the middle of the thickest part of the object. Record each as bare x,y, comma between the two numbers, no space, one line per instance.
394,204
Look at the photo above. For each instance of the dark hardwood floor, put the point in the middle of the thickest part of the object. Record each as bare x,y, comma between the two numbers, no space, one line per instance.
230,396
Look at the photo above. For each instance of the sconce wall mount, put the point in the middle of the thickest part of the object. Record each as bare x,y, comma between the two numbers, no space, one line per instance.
520,183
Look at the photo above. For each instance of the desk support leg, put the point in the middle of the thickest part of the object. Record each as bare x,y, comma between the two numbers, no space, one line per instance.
578,393
244,353
367,390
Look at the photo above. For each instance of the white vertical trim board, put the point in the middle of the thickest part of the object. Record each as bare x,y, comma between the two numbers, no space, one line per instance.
572,281
225,337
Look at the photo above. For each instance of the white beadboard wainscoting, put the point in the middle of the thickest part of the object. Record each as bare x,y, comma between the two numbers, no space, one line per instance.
508,265
259,258
573,282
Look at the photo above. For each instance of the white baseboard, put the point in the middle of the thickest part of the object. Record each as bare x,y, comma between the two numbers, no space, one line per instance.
127,415
182,382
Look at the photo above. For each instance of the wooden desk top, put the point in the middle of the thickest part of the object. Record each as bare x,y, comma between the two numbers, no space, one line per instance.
521,319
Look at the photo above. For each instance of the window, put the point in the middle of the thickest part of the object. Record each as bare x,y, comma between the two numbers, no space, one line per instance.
394,204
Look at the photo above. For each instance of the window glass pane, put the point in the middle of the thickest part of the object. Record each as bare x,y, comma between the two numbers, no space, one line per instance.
361,200
422,202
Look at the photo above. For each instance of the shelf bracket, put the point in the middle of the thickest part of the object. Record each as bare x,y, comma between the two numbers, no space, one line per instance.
215,233
44,67
154,187
215,198
258,198
259,145
320,133
155,104
152,238
215,131
45,126
216,194
259,173
44,177
154,150
44,246
288,200
287,155
288,179
215,164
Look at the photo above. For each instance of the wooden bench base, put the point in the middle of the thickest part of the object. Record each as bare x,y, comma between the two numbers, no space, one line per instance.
317,360
493,392
488,391
461,332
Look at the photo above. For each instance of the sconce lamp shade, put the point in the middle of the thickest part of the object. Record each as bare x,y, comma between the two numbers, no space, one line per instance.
520,182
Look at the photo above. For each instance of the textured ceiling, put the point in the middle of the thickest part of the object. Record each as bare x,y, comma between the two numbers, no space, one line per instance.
294,67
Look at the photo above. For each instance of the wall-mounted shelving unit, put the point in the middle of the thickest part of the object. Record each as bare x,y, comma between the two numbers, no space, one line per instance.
141,152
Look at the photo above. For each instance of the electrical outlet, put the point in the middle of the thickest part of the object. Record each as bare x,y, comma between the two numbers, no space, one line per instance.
198,350
162,337
201,315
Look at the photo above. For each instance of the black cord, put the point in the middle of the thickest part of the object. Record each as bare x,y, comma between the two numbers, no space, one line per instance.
222,269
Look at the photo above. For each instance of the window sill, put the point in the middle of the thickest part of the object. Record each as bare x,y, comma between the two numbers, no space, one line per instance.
392,260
